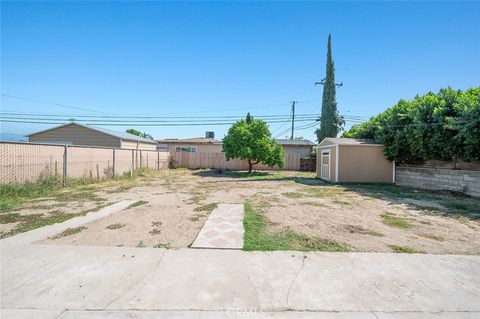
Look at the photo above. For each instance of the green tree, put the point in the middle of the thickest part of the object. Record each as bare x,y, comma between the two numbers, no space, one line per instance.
253,142
441,126
249,118
331,122
138,133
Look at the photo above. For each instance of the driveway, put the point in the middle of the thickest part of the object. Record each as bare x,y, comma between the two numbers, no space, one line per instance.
59,281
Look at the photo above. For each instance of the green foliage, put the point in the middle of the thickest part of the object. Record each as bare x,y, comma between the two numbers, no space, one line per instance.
249,118
253,142
138,133
441,126
331,122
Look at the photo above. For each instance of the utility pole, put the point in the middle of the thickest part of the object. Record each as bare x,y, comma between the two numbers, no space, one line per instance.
293,118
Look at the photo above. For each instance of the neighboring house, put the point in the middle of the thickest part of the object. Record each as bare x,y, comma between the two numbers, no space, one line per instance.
353,160
210,145
302,147
191,145
80,134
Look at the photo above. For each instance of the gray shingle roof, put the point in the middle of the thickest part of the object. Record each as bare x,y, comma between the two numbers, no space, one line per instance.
294,142
350,141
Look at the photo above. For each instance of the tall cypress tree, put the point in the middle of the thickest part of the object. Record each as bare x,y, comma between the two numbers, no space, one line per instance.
249,118
330,122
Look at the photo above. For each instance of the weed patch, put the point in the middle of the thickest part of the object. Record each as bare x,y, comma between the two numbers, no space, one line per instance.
354,229
155,231
69,232
137,203
433,237
115,226
206,208
396,221
405,249
162,245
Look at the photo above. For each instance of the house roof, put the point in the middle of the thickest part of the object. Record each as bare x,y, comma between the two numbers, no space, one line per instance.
347,141
193,140
294,142
120,135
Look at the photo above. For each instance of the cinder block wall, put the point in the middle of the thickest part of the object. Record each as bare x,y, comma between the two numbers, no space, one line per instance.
467,182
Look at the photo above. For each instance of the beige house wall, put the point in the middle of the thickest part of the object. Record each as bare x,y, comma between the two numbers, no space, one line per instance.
132,145
364,164
333,168
301,150
78,135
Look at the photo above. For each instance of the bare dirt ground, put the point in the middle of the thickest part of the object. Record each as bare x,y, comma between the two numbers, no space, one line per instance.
172,207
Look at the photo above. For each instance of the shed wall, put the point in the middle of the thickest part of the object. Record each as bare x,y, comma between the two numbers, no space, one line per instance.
333,154
364,164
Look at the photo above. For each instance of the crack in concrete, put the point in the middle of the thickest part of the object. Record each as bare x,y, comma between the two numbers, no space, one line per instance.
147,272
293,281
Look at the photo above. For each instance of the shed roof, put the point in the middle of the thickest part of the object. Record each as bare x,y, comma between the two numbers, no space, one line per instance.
120,135
294,142
347,141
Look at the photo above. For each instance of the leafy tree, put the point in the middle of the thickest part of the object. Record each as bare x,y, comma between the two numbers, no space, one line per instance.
249,118
252,142
331,122
138,133
443,126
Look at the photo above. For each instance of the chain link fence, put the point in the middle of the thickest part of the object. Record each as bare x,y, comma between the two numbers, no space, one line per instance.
29,162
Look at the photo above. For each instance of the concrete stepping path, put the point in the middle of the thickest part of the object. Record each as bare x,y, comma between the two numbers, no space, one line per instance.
223,228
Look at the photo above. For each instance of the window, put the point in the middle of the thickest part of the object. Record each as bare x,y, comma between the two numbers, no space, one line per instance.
186,149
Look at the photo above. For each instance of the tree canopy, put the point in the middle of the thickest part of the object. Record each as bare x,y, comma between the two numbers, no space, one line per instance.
138,133
253,142
442,126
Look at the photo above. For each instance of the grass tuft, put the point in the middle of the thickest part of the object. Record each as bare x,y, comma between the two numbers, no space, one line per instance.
405,249
137,203
396,221
69,232
354,229
115,226
206,208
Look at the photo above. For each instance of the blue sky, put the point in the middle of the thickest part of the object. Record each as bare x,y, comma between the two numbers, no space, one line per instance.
224,58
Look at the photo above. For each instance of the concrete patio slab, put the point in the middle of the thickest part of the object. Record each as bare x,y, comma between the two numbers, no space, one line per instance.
223,228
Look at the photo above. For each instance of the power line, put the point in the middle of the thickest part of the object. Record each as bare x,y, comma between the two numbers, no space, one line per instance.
188,112
51,103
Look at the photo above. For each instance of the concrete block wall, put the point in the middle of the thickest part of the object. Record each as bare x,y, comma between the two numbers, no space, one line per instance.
464,181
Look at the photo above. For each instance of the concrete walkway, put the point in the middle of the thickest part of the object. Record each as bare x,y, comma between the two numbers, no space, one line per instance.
49,281
223,228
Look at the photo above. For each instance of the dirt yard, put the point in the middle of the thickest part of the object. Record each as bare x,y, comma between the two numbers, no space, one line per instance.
172,206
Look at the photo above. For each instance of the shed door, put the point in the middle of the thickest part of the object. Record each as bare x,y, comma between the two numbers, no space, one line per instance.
325,165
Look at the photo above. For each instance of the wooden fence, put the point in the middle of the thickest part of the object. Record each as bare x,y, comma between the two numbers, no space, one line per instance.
219,161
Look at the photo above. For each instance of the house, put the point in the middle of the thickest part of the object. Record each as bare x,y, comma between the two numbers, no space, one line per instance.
80,134
302,147
190,145
209,144
353,160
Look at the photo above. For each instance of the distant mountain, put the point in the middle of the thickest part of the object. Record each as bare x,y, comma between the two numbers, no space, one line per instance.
12,137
